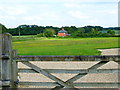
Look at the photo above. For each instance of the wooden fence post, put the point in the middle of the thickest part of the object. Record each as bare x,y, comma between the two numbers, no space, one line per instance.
0,57
7,71
6,60
14,67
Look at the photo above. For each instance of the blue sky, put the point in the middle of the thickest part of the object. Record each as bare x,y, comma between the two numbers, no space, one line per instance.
59,12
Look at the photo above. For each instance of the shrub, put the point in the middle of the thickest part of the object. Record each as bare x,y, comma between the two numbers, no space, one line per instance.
49,33
40,35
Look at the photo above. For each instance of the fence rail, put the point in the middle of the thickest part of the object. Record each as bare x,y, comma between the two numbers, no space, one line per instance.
84,84
70,71
9,68
115,58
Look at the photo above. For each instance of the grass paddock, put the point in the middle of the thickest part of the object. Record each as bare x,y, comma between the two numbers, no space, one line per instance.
64,46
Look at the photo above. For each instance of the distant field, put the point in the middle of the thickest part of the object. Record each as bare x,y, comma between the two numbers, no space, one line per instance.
67,46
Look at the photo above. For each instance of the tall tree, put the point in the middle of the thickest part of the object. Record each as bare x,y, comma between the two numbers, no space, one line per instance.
49,33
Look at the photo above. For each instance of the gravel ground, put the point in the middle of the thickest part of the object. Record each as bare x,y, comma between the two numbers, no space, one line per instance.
112,77
114,51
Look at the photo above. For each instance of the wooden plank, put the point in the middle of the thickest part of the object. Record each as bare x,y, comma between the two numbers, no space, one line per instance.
94,67
38,84
0,84
91,69
53,71
97,84
14,67
6,83
108,71
69,71
82,84
69,58
71,80
45,73
14,74
14,54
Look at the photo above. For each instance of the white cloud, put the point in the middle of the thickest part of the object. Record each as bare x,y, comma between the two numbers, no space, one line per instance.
7,17
12,10
75,5
58,12
78,14
31,18
43,16
54,1
112,12
16,11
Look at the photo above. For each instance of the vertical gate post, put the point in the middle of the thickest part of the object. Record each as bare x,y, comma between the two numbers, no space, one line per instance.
14,67
6,60
7,71
0,56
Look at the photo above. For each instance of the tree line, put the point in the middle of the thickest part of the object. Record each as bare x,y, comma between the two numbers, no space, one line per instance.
50,31
3,29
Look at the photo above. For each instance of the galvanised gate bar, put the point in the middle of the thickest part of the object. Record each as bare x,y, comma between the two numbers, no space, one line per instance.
9,68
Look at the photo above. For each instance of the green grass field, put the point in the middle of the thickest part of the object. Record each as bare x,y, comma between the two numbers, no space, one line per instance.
67,46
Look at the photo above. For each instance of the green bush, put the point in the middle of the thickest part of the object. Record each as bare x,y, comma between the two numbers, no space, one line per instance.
40,35
49,33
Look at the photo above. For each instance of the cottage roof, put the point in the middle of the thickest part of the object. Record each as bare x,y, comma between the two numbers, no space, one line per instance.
62,31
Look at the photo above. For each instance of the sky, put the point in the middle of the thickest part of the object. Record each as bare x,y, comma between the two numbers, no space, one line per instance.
59,13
